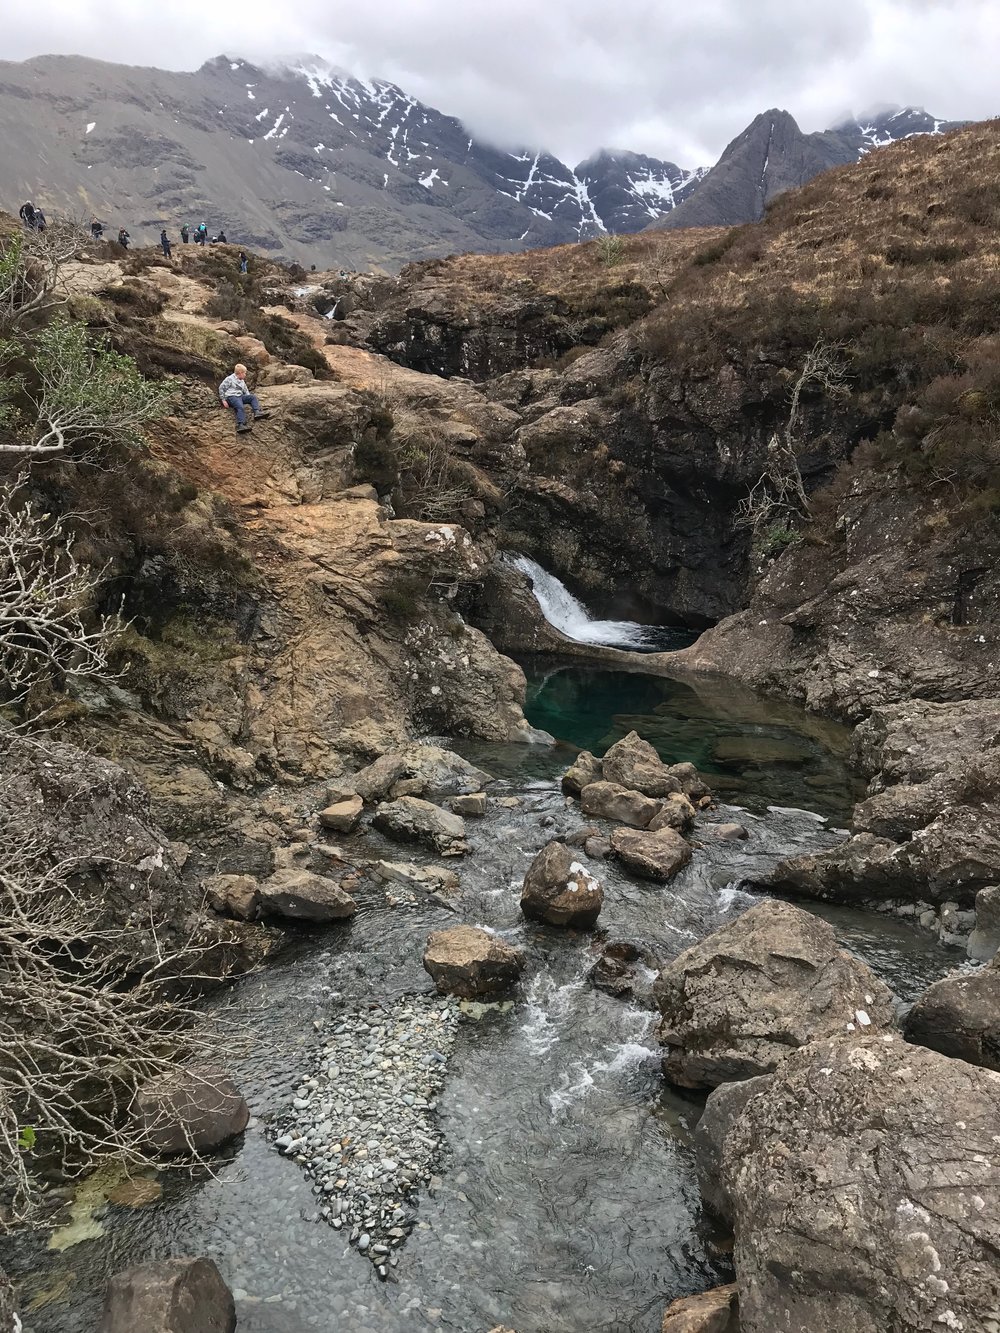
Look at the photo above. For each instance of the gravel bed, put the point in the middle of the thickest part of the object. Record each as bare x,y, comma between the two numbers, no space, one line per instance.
363,1123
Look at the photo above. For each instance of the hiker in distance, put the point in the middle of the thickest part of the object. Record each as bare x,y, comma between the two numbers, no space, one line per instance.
123,238
27,215
185,233
165,242
233,392
96,229
244,262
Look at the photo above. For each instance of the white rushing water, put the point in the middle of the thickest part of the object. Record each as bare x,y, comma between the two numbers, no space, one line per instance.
570,617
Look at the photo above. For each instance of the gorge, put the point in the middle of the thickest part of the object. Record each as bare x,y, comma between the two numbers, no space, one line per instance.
676,564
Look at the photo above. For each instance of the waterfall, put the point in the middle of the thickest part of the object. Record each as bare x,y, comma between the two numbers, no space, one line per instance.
571,618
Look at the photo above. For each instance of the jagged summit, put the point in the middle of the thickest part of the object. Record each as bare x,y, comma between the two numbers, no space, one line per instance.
294,155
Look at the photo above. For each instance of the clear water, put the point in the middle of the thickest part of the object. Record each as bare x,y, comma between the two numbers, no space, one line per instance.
755,751
566,1197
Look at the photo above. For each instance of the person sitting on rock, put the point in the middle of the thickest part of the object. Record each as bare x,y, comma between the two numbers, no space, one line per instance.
123,238
234,393
221,238
165,243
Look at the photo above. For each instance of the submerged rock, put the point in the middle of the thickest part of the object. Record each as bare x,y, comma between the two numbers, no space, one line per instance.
584,770
303,896
625,970
715,1311
960,1016
170,1296
608,800
866,1191
411,819
657,856
634,764
471,963
735,1004
190,1110
469,807
560,891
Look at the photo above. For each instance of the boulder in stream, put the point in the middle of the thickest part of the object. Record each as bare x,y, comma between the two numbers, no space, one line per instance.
865,1188
584,770
715,1311
233,895
960,1016
560,891
411,819
657,856
472,963
302,896
634,764
608,800
734,1004
343,816
722,1107
169,1296
190,1110
676,812
985,938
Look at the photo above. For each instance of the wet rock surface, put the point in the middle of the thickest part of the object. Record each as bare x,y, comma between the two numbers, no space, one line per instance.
561,891
911,1243
194,1110
363,1125
960,1016
715,1311
171,1296
736,1003
633,763
657,856
303,896
608,800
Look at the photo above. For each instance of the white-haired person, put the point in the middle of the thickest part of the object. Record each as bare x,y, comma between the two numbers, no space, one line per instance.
234,393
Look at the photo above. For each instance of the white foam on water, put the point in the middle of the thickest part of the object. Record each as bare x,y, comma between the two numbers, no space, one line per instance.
580,1079
547,1003
570,617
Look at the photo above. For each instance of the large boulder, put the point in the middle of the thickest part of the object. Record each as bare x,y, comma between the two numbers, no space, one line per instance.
560,891
302,896
584,770
715,1311
170,1296
866,1192
985,938
676,812
735,1004
634,764
657,856
190,1110
428,771
722,1107
233,895
471,963
410,819
607,800
343,816
960,1016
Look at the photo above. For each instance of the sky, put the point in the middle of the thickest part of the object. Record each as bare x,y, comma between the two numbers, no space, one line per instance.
673,78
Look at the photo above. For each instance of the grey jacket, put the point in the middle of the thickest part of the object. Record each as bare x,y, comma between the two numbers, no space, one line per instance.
232,387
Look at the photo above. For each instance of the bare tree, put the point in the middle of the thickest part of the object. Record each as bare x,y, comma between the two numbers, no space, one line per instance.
47,626
31,265
75,1044
778,495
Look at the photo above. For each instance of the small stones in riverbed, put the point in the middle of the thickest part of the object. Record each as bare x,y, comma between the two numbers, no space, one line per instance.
362,1123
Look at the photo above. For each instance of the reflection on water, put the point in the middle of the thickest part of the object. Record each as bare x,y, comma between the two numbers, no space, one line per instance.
755,751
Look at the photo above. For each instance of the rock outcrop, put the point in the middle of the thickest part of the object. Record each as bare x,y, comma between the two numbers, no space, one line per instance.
865,1191
735,1004
410,819
170,1296
472,963
560,891
657,856
195,1110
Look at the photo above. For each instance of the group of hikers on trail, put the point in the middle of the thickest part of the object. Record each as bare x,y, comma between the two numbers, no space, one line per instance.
124,239
32,217
235,395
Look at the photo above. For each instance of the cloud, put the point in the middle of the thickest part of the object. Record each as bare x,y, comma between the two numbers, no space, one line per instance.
673,80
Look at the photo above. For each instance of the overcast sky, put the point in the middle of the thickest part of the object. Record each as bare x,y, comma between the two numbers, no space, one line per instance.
673,78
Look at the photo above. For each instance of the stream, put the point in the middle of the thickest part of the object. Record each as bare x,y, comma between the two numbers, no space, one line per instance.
564,1197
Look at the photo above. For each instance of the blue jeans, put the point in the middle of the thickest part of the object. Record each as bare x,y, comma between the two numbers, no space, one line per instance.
236,402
